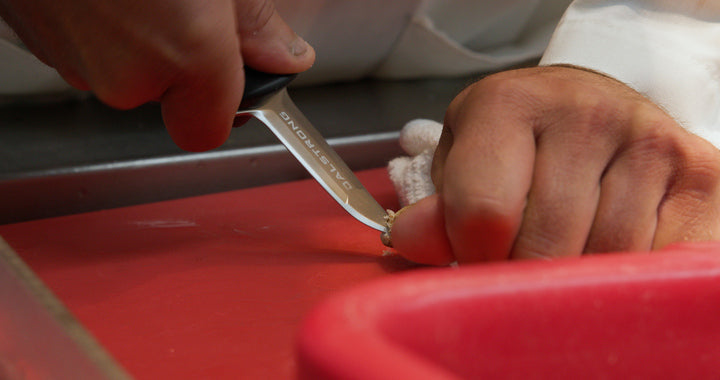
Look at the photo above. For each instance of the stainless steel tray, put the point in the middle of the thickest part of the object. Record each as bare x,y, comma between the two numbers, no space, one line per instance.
78,156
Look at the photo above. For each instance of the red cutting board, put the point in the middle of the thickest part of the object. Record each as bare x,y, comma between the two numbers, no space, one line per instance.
206,287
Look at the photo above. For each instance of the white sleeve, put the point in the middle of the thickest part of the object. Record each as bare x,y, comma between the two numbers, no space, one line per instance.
669,50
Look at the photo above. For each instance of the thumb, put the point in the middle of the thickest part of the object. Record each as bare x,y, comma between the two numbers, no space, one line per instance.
418,233
267,42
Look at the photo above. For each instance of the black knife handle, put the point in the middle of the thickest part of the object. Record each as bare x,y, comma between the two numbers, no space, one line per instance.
259,85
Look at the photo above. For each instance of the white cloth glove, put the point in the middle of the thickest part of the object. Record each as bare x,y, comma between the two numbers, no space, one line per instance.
411,175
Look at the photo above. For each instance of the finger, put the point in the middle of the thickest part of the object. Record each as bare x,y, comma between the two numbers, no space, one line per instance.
691,207
198,112
446,141
486,176
268,43
199,107
439,158
631,190
418,233
565,191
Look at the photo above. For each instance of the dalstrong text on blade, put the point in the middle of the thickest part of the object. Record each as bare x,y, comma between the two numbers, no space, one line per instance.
317,152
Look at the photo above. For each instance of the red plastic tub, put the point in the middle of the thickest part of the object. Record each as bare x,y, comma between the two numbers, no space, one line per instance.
607,316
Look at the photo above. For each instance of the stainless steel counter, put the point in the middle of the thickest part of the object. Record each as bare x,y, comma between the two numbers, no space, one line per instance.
79,156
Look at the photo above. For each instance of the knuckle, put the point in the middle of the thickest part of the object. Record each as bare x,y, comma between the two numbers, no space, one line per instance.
591,114
505,95
700,163
482,213
456,105
122,100
654,135
593,106
127,91
505,89
200,39
656,146
692,165
648,116
693,196
256,15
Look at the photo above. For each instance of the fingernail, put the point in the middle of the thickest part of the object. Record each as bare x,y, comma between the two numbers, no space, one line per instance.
298,46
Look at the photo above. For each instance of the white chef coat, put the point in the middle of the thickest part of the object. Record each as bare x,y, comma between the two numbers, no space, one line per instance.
668,50
414,38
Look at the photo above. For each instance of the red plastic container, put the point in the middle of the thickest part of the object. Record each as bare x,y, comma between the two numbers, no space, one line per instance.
607,316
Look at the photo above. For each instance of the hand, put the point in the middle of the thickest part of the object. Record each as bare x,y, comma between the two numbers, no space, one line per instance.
558,161
187,54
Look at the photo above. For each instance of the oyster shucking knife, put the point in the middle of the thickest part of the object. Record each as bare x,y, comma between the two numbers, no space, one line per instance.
266,99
